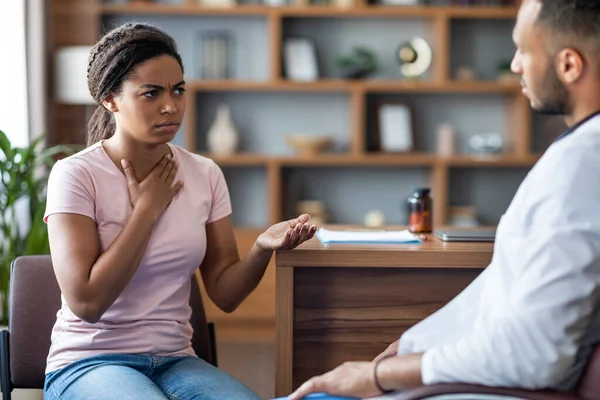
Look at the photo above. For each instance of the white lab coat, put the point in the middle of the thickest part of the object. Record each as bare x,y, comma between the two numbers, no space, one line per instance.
532,316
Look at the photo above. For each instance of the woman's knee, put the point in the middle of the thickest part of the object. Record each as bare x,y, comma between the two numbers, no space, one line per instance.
194,379
101,382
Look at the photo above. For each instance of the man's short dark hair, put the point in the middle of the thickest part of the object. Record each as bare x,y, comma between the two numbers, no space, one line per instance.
578,18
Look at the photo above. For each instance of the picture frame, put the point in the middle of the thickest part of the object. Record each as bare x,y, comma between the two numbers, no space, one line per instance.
300,60
393,127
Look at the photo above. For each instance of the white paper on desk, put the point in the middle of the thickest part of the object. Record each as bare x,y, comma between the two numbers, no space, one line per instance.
360,236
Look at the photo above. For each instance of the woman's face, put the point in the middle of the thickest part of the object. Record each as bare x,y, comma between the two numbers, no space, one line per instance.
152,102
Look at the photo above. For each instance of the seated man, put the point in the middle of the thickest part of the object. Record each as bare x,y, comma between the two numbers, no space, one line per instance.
532,318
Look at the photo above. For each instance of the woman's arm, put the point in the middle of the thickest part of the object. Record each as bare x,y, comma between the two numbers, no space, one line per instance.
91,281
229,280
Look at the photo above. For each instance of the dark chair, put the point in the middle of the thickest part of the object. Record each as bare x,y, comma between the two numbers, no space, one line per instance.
33,302
588,388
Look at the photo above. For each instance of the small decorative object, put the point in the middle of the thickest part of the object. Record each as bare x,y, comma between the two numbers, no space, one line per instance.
316,209
309,145
300,60
222,136
275,3
414,57
505,73
486,143
446,140
464,216
344,3
359,64
374,219
401,2
393,128
420,211
465,73
215,55
217,3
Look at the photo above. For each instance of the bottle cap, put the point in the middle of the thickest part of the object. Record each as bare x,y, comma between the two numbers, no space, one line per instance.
421,192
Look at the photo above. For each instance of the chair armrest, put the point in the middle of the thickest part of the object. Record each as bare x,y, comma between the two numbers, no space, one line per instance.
459,388
5,383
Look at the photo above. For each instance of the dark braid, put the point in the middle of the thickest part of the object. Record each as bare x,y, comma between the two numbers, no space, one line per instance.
113,60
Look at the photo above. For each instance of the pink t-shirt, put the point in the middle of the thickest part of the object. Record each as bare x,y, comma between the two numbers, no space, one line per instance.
152,314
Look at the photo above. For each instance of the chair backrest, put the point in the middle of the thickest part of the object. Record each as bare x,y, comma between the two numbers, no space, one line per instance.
33,304
589,387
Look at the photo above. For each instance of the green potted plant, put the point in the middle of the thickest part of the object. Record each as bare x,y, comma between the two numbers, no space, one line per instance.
360,63
23,179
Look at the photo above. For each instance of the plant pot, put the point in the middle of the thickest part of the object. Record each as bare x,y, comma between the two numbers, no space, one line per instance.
355,72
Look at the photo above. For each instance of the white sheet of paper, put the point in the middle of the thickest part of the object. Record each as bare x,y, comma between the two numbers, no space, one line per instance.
365,236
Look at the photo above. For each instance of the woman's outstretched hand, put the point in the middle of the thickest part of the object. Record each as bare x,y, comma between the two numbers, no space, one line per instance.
287,235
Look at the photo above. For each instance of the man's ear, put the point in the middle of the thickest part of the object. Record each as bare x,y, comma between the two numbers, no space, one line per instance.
110,104
570,65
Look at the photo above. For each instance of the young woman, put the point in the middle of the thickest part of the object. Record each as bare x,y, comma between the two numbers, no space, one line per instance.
130,219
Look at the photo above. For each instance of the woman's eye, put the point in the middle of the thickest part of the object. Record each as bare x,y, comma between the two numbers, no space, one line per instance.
179,90
150,94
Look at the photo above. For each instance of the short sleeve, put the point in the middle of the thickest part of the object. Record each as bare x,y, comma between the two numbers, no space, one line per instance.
221,202
69,191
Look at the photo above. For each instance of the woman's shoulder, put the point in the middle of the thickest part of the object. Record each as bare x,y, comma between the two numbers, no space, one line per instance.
82,163
186,158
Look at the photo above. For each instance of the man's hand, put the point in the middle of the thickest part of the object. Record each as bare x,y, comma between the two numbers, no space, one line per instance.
353,379
392,349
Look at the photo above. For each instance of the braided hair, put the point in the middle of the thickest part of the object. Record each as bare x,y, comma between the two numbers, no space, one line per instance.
113,60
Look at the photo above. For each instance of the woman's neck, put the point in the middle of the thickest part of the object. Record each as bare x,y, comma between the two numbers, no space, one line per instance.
142,157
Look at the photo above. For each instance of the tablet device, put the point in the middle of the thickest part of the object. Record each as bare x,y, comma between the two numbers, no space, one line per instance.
466,235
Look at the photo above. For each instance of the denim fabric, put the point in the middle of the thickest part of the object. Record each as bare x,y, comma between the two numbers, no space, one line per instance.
123,376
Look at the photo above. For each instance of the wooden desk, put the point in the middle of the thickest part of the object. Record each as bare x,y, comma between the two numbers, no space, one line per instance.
338,303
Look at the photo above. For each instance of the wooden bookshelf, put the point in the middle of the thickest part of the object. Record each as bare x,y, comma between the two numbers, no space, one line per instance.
369,86
440,82
373,160
182,9
78,22
311,11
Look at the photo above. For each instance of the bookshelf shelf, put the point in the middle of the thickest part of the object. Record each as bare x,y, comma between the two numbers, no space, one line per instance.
312,11
375,86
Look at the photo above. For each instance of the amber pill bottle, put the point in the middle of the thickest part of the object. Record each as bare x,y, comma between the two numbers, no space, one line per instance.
420,211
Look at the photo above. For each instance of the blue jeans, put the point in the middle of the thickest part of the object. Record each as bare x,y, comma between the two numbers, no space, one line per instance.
123,376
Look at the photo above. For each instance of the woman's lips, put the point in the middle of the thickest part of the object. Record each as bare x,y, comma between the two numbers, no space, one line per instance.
168,127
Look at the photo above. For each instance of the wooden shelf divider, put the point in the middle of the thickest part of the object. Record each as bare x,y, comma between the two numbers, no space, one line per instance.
441,39
375,160
307,11
358,113
275,47
275,190
366,86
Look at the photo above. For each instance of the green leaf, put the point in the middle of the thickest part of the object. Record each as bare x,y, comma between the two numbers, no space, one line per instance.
23,175
5,146
37,240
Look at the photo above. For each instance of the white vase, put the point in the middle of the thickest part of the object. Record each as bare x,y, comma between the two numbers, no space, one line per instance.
222,135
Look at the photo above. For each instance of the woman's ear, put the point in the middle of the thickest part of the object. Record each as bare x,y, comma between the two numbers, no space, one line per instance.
110,104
